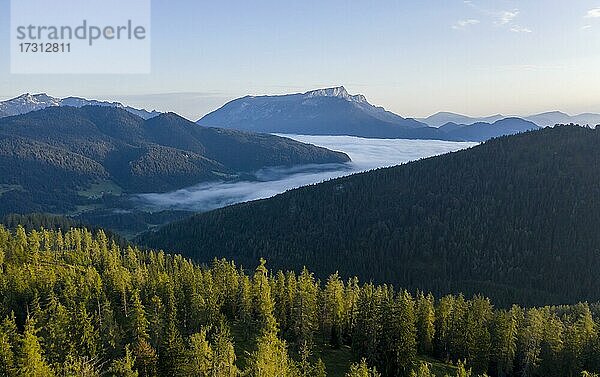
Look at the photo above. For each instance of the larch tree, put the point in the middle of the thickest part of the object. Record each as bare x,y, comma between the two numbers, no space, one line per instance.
362,370
30,360
425,321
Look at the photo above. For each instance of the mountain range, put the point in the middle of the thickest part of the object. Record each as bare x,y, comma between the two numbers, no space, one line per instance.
334,111
482,131
515,218
329,111
546,119
50,157
26,103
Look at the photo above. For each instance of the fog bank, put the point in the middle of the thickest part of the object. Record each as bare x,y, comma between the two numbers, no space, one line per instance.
366,154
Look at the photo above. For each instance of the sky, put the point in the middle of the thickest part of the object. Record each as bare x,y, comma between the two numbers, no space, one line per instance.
414,57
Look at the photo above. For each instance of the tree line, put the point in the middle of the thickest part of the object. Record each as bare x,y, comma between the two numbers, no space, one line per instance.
76,303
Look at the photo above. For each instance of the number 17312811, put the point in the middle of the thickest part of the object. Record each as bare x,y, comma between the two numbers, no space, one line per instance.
44,47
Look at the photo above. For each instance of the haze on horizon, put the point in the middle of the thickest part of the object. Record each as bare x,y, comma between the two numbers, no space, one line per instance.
477,58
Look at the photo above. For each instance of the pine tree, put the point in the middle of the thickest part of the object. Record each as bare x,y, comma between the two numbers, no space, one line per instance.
458,344
530,340
244,303
368,323
124,367
319,369
223,354
30,360
171,356
422,371
111,333
579,339
291,290
362,370
19,246
271,358
88,337
8,339
145,355
443,327
477,338
138,323
80,367
350,311
33,246
156,317
146,359
200,356
57,342
425,313
281,302
551,362
400,345
505,340
2,256
461,369
263,303
333,309
304,317
304,365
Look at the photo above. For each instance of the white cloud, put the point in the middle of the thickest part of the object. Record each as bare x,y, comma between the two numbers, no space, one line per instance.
460,25
519,29
586,27
501,18
506,17
593,13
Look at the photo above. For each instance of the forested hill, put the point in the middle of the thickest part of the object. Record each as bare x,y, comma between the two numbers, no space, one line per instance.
48,157
517,218
75,304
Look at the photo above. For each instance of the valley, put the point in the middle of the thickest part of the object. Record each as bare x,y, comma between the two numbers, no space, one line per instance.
365,154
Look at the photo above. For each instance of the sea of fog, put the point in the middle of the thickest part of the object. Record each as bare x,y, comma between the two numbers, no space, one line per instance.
366,154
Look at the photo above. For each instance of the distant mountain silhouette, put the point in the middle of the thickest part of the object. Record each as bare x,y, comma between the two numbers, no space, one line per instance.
484,131
546,119
26,103
556,117
442,118
329,111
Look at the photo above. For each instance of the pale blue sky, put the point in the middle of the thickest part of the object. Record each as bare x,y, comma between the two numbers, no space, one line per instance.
412,57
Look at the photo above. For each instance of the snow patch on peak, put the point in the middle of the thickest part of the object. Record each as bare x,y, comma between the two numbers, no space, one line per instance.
338,92
28,102
41,98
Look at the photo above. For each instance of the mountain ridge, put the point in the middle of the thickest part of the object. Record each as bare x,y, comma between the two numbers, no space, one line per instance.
330,111
28,102
545,119
72,148
482,131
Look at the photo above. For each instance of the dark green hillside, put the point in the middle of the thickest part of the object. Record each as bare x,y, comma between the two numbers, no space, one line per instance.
49,157
238,150
517,218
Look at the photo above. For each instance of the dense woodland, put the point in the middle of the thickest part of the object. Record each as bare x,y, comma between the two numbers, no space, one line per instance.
516,218
76,304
